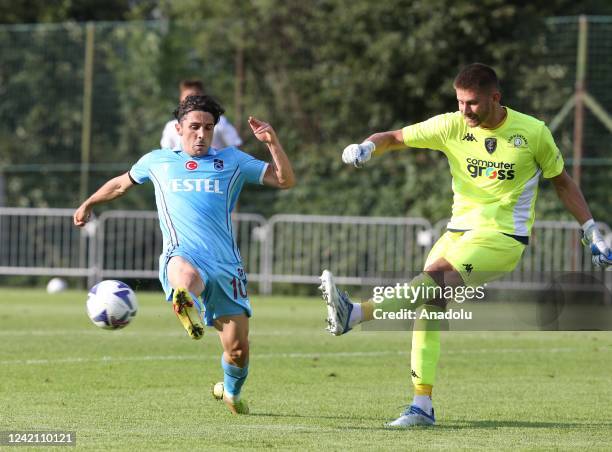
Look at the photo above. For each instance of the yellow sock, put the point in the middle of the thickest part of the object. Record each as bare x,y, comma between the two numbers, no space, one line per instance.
367,310
425,352
423,390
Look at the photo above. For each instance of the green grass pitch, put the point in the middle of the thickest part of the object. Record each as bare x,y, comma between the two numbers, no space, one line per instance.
148,386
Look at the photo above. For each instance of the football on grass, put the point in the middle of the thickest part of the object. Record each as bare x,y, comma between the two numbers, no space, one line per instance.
111,305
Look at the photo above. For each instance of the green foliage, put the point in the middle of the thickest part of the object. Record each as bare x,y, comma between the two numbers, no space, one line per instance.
41,110
325,73
332,72
34,11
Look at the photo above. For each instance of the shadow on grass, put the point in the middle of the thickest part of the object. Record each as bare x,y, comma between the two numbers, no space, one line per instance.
377,423
443,425
303,416
517,424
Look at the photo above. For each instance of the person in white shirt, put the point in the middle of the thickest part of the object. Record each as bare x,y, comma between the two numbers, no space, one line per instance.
224,135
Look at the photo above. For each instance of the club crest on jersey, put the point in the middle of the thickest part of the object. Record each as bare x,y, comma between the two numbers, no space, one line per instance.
490,144
518,141
191,165
218,164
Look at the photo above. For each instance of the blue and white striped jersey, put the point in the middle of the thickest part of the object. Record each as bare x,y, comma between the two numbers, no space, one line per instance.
195,197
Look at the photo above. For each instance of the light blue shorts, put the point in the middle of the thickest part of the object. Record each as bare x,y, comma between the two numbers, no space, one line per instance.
225,285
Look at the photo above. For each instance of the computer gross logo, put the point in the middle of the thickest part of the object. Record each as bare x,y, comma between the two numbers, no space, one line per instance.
489,169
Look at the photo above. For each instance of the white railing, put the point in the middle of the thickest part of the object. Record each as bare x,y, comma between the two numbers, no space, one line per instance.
41,241
284,249
130,242
359,250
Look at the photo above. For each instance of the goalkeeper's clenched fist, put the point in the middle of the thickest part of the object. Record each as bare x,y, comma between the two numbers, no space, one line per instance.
358,154
593,240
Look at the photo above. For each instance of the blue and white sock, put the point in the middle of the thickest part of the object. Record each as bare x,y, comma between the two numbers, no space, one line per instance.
233,379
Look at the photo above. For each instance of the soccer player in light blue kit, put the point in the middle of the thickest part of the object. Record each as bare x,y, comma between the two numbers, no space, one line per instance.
200,268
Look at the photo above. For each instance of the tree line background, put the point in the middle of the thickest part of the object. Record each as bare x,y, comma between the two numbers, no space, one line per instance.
325,73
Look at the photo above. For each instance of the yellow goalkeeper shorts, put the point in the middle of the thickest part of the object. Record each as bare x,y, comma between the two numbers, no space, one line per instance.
478,256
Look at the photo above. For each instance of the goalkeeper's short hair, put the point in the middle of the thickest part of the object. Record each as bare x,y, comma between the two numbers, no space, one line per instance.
477,76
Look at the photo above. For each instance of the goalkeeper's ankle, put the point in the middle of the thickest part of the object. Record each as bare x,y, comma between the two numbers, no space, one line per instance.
423,402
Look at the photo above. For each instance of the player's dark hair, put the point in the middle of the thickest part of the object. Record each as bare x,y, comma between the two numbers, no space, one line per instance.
191,84
477,76
199,103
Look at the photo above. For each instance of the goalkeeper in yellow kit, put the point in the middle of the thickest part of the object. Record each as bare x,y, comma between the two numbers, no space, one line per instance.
496,157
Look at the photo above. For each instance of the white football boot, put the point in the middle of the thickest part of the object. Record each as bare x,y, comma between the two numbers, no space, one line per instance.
339,306
413,416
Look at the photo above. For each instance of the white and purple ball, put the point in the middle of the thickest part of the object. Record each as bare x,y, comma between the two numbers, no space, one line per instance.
111,305
56,285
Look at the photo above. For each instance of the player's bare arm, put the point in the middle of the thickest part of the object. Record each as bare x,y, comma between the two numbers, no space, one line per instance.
279,173
387,141
112,189
574,202
358,154
571,196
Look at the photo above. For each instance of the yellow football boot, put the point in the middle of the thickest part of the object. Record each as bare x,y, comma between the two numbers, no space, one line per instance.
239,406
186,311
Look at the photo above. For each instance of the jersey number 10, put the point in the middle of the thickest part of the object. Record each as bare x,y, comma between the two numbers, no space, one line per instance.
239,286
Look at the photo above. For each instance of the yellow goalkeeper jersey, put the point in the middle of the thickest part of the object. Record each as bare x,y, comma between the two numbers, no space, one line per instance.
495,171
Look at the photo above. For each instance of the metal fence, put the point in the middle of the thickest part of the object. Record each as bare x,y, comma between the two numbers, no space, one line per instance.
359,250
284,249
43,242
129,244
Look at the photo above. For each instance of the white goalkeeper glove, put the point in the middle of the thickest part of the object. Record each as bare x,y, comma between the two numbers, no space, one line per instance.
358,154
594,241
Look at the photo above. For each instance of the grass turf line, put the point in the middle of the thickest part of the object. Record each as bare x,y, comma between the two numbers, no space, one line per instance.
148,386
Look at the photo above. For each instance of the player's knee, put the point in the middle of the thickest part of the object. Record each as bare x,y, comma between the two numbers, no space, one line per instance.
190,279
239,354
444,274
182,274
440,265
